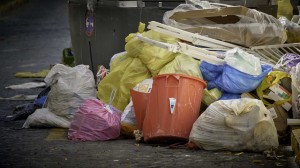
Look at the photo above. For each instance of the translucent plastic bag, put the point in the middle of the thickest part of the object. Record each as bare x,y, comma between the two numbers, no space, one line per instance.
243,61
183,64
125,73
155,58
287,62
295,75
235,125
95,121
69,88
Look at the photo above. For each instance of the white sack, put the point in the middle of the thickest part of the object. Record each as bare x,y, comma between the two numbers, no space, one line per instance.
235,125
243,61
44,118
69,87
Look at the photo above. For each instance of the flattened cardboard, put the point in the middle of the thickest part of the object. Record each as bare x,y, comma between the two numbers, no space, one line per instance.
281,120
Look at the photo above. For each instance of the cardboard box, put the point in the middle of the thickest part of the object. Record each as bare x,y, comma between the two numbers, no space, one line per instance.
293,124
280,117
278,93
295,143
237,24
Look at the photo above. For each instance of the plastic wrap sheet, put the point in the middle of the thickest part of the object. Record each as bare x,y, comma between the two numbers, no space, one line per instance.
239,25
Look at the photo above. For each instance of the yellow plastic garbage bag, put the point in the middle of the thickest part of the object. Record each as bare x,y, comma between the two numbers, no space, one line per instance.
271,79
125,73
183,64
123,59
285,9
40,74
210,96
155,58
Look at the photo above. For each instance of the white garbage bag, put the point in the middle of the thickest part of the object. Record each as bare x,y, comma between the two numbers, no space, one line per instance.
243,61
235,125
44,118
295,75
69,88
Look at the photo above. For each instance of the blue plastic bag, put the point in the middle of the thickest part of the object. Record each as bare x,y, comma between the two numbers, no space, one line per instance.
229,96
235,81
210,71
231,80
24,110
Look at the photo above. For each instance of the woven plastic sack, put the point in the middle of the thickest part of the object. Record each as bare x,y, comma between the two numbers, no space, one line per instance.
155,58
95,121
125,73
235,125
69,88
183,64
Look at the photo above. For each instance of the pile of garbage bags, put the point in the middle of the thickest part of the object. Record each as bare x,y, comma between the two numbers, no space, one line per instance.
242,100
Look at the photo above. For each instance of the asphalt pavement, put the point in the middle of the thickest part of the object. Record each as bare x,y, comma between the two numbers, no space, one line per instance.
32,37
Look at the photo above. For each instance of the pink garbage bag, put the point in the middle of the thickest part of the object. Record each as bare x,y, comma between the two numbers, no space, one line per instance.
95,121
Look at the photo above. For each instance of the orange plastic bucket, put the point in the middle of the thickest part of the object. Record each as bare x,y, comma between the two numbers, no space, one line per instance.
167,120
139,100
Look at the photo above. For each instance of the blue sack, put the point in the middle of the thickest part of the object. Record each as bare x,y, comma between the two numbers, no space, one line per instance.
235,81
229,79
229,96
210,71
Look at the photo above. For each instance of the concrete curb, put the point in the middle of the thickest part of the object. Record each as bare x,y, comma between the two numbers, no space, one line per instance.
10,5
